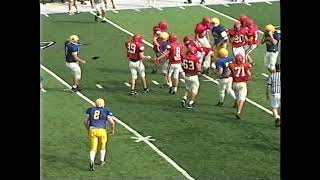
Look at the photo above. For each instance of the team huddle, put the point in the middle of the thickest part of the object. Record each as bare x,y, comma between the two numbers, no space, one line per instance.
196,55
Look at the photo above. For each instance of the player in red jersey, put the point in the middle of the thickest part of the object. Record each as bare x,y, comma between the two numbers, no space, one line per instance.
174,53
243,20
157,30
135,54
240,72
202,32
192,67
252,36
238,38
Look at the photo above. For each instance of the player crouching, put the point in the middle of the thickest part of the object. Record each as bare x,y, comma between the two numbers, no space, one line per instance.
135,54
192,67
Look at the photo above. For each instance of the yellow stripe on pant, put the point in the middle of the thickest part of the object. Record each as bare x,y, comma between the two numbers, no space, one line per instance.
98,139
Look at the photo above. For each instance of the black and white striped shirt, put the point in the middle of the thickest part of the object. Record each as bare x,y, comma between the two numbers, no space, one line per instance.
275,82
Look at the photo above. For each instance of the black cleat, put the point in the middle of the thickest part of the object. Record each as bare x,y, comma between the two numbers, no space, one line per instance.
74,89
91,166
133,93
78,88
146,90
188,2
277,122
183,103
219,104
170,90
154,71
238,116
96,18
190,106
202,2
173,92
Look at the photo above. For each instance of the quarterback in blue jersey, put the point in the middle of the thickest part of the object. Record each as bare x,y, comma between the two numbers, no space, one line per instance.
272,39
72,49
223,73
219,33
97,122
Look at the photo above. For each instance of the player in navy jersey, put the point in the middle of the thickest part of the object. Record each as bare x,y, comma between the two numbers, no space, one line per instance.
97,123
72,49
219,34
223,73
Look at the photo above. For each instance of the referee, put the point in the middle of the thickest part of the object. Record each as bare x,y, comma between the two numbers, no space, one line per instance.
274,88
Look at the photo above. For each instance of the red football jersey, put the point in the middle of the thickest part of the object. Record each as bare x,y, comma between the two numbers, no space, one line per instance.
175,54
189,64
239,72
134,48
238,36
253,32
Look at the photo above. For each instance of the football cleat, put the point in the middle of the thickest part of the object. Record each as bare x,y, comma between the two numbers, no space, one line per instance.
154,71
91,166
277,122
238,116
170,90
104,20
220,104
164,86
133,93
146,90
190,106
96,18
74,89
183,103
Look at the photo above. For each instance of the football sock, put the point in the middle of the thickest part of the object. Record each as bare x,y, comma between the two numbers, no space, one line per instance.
92,155
102,154
175,89
190,102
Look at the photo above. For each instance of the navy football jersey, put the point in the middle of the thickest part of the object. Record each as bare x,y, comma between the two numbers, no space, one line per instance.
98,117
70,49
223,64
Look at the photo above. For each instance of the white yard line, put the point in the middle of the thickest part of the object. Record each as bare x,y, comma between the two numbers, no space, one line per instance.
155,82
265,75
114,11
182,80
99,86
137,10
268,2
182,7
149,44
226,5
127,84
168,159
248,4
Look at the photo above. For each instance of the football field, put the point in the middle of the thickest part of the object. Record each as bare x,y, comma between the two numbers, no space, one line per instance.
157,139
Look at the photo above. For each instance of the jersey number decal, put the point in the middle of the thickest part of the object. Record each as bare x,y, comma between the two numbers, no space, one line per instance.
177,57
240,70
188,65
96,115
239,38
131,48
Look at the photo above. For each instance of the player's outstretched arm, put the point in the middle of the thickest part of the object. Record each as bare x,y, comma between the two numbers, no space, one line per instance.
113,125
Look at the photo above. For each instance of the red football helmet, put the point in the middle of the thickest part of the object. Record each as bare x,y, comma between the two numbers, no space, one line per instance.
239,59
137,37
173,38
249,22
237,26
163,25
206,20
243,18
187,39
192,50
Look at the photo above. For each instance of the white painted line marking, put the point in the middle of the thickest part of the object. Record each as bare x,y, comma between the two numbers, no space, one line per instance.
99,86
127,84
137,10
265,75
182,80
155,82
158,8
114,11
268,2
226,5
147,138
248,4
43,90
182,7
46,15
169,160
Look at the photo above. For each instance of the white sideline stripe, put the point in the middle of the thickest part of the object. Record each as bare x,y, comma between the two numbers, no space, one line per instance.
268,2
137,10
224,15
114,11
46,15
182,7
226,5
158,8
247,99
149,44
127,84
169,160
99,86
265,75
248,4
155,82
48,45
182,80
